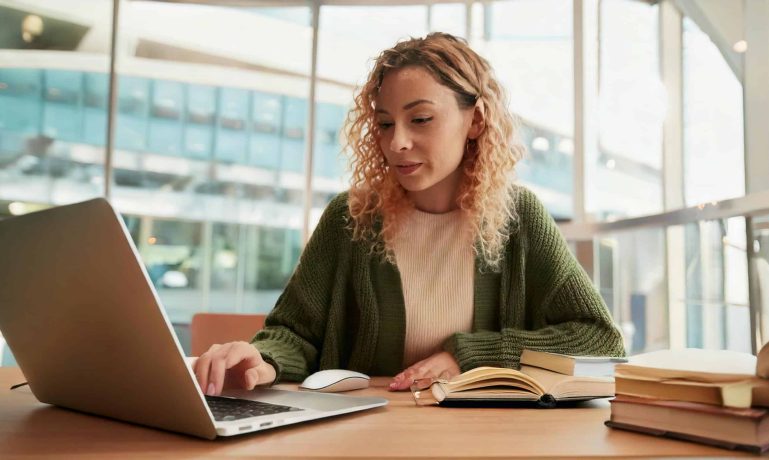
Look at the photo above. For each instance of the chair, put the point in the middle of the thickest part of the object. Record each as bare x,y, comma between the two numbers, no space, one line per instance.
207,329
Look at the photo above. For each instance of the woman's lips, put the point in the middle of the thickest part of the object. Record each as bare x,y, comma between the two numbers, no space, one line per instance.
408,169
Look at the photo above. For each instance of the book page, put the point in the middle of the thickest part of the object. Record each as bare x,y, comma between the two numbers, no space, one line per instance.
566,386
497,385
490,380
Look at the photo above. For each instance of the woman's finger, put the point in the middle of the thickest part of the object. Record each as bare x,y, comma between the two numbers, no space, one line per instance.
250,378
216,376
245,368
217,370
441,365
403,380
202,366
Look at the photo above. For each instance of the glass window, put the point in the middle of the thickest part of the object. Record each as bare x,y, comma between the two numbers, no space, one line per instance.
199,127
714,156
715,289
362,32
449,18
277,249
267,127
133,113
226,266
211,132
623,174
294,122
269,257
172,252
530,45
251,261
759,250
49,149
632,280
165,130
328,161
21,94
95,108
232,137
62,114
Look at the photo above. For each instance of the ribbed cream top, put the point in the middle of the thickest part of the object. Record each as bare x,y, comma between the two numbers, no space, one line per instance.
435,259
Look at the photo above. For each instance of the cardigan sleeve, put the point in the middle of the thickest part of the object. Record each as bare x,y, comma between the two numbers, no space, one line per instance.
566,313
295,328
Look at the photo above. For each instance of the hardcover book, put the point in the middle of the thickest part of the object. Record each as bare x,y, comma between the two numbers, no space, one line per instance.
692,364
583,366
743,393
745,429
717,377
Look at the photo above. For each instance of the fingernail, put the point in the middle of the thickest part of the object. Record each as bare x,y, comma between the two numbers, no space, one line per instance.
211,389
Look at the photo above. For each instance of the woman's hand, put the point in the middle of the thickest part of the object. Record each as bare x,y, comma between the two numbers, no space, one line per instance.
440,365
232,365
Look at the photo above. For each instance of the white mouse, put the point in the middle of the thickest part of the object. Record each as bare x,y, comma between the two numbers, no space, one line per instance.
333,380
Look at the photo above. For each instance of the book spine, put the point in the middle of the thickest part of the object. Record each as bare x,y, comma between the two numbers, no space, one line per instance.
546,401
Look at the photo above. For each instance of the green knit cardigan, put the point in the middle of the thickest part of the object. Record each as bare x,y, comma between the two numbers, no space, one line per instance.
343,307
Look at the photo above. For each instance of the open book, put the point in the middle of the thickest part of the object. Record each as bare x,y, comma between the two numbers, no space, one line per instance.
496,384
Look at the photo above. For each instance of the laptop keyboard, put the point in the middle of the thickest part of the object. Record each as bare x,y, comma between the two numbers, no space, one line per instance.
229,409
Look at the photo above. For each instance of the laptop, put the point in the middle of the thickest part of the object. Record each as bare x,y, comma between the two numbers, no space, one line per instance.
88,331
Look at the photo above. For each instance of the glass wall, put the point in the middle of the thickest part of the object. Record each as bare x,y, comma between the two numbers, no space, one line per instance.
715,288
631,108
52,114
714,155
211,139
759,250
530,45
631,275
210,136
679,285
684,286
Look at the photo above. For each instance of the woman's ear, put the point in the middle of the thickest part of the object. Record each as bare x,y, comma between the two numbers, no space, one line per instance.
478,123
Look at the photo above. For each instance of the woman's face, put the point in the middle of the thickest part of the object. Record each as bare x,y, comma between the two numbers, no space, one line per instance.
423,136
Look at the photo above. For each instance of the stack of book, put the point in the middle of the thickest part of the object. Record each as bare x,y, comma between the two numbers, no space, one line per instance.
713,397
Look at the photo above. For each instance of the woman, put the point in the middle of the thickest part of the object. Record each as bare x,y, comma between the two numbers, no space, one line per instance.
433,262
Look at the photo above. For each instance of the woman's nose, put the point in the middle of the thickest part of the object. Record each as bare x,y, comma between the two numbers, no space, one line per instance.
401,140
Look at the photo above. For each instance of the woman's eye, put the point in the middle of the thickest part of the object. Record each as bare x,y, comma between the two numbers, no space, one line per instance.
421,120
384,124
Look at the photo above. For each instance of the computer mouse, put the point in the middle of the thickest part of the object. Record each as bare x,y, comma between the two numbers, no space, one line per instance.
334,380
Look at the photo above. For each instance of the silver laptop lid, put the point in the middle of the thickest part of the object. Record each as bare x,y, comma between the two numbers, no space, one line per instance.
85,324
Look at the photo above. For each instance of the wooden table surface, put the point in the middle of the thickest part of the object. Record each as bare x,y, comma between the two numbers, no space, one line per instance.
398,430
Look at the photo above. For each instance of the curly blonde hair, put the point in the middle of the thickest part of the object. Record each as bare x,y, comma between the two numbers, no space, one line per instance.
378,202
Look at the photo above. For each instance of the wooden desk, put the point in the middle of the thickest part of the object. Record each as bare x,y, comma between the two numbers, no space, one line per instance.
401,429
